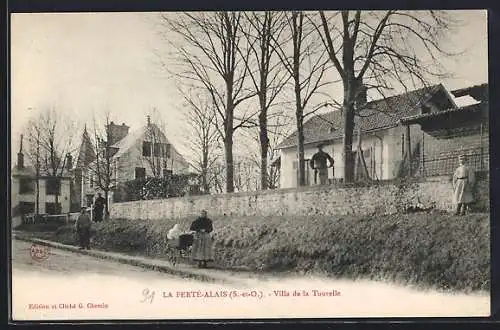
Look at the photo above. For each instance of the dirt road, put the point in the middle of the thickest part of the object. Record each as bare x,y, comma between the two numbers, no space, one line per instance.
63,285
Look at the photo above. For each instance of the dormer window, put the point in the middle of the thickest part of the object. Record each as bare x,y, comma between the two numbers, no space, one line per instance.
426,109
146,149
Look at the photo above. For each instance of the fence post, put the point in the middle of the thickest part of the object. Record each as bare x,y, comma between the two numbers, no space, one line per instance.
481,147
408,149
422,167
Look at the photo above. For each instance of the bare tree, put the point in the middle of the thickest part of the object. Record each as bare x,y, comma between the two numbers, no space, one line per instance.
380,50
280,127
50,136
203,138
103,170
306,63
159,153
247,174
219,177
208,58
268,79
34,153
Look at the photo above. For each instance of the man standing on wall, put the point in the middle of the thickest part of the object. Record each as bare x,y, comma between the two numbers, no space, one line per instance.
463,183
319,164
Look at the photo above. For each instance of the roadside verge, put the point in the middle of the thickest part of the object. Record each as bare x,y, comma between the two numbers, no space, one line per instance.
180,270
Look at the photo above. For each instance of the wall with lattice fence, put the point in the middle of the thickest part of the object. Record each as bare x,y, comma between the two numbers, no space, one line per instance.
440,151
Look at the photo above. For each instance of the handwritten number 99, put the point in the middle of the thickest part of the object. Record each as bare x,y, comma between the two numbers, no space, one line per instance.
148,296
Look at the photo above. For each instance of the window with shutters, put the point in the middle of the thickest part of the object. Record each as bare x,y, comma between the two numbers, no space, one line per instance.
140,173
146,149
158,149
53,186
27,207
26,186
52,208
166,150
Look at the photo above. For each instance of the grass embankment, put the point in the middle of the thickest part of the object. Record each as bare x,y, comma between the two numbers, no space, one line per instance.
426,249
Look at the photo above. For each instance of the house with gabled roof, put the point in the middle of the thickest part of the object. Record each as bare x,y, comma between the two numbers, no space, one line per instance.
388,142
446,134
40,192
86,155
139,154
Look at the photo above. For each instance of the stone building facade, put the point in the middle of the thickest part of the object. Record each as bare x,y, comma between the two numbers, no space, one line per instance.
144,152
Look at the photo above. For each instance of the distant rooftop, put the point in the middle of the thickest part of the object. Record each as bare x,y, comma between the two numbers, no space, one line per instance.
478,92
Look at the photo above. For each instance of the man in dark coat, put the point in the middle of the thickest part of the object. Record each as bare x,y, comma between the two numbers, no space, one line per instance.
319,164
202,245
99,205
82,225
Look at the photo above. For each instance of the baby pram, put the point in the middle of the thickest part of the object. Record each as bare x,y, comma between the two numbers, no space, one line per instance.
179,248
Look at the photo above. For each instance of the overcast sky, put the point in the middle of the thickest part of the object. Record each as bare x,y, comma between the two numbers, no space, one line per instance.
90,63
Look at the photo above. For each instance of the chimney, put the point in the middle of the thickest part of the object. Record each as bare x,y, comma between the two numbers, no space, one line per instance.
117,132
149,120
69,161
20,155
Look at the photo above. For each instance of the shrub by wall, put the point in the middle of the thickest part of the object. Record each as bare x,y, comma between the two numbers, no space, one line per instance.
427,248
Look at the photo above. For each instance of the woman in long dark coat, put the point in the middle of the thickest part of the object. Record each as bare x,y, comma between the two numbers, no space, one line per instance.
202,245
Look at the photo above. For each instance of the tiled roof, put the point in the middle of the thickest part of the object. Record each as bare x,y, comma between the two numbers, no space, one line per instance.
130,140
29,171
86,154
416,118
380,114
481,88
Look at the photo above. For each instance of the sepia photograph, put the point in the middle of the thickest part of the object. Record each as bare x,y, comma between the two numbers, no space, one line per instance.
223,165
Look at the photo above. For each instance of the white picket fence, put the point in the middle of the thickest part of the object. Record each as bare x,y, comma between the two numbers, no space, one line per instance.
49,218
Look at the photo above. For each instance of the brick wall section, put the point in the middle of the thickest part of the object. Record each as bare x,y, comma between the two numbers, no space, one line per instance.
326,200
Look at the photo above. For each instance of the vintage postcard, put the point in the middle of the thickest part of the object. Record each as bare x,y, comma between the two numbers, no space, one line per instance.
249,165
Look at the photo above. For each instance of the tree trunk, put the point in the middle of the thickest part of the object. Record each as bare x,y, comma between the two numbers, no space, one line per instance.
204,182
347,140
228,149
300,152
204,173
350,89
37,193
58,207
38,173
264,149
106,206
299,111
228,138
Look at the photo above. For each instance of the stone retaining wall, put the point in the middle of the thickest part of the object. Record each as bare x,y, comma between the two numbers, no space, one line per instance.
379,198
